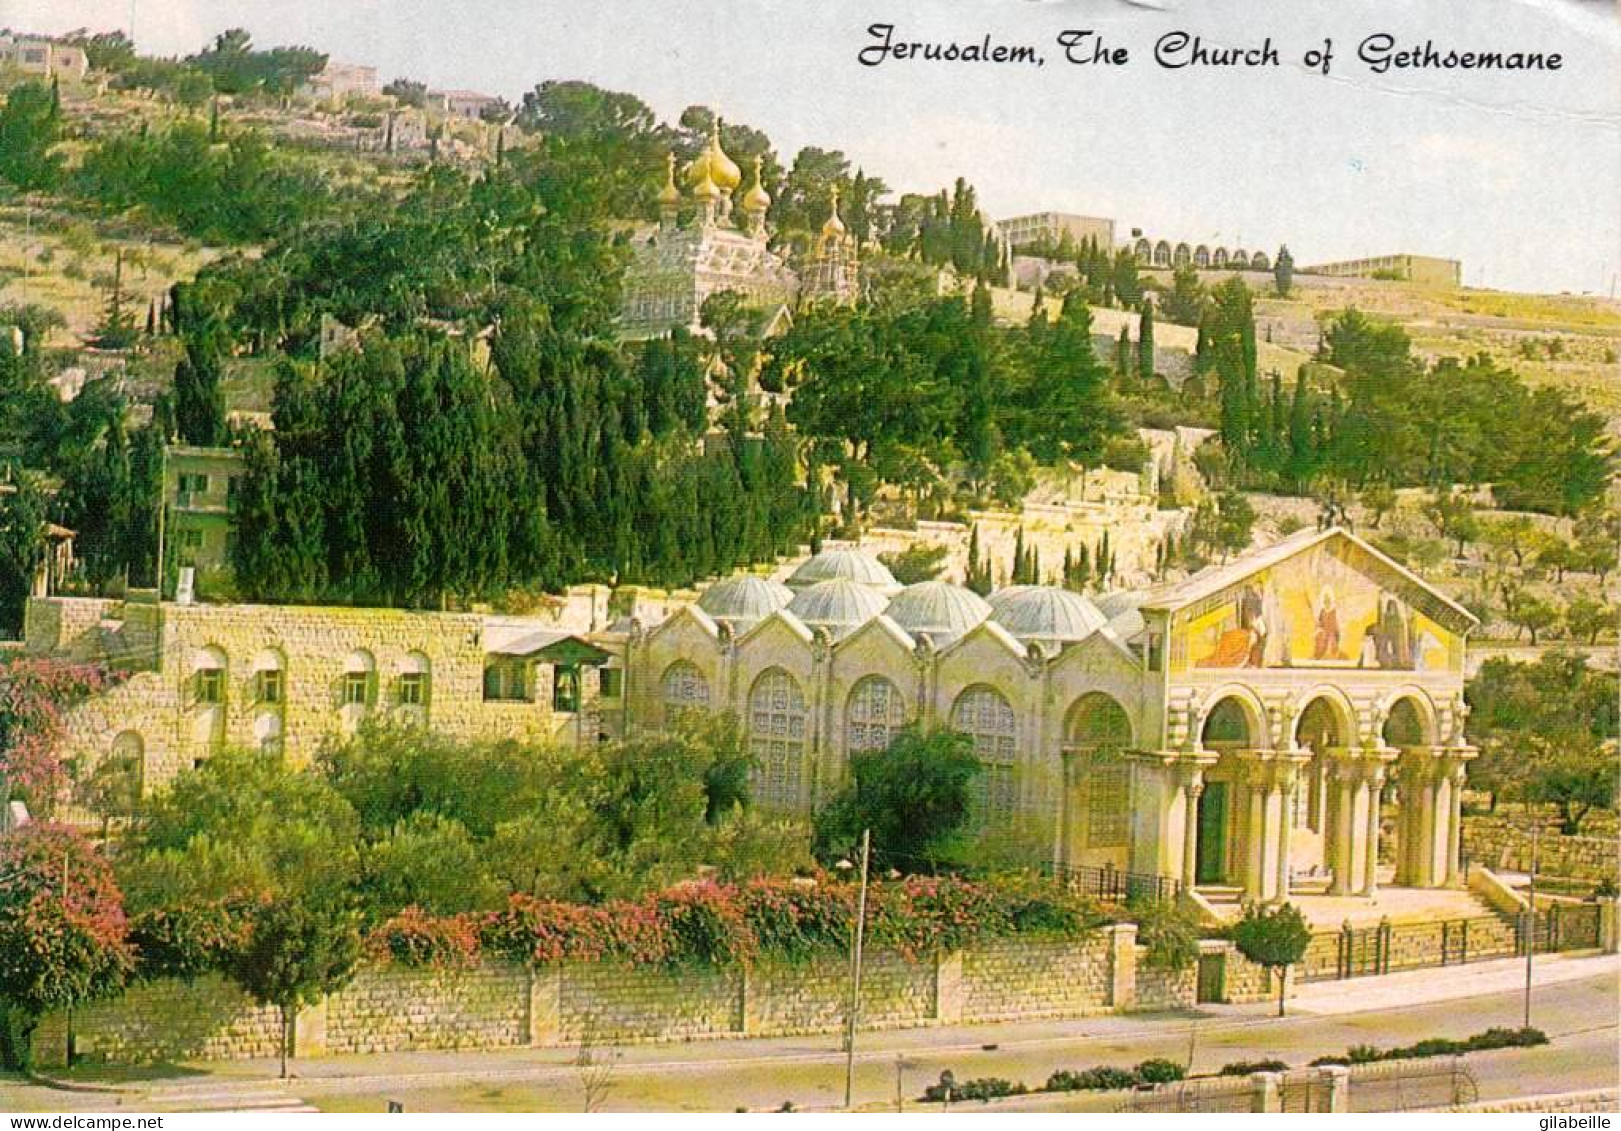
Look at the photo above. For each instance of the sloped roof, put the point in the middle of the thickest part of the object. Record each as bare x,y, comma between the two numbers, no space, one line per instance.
1208,582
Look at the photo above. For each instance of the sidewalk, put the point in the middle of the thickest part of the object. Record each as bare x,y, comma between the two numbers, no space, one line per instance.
380,1071
1446,983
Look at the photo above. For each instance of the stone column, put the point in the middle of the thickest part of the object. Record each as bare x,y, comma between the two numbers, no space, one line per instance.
1255,835
1424,860
1287,784
1370,878
1344,828
1190,832
1455,874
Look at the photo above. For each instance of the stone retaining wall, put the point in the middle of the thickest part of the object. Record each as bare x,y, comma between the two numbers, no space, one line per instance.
1501,846
503,1005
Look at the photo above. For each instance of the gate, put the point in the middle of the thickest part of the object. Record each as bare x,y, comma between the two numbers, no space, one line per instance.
1212,978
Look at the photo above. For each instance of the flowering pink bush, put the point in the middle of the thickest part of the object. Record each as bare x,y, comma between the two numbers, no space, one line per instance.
63,938
414,938
712,924
34,695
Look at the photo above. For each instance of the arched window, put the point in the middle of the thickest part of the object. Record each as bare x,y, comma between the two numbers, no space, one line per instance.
269,678
359,675
872,715
1227,726
1097,722
777,729
1097,730
683,688
208,677
414,680
984,715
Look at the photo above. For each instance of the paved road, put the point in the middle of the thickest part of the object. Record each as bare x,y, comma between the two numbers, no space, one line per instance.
1580,1014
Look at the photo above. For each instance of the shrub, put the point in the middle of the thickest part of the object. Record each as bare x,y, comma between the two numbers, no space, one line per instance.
1248,1067
413,938
1159,1071
185,942
794,922
1101,1079
1497,1038
1169,931
981,1089
706,925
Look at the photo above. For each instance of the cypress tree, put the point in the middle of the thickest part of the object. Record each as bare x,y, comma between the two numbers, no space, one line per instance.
1145,343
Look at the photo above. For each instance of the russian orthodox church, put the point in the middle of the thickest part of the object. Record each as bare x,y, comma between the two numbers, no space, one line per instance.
709,240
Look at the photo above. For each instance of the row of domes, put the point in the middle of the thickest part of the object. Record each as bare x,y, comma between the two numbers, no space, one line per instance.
841,589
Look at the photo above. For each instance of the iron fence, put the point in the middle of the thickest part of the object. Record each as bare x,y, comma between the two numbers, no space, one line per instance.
1113,885
1354,952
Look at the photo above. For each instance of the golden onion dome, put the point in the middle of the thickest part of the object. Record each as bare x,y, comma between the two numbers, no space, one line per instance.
722,169
669,194
834,225
756,199
705,188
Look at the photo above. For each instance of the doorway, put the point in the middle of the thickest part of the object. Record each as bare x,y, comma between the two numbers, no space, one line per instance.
1210,866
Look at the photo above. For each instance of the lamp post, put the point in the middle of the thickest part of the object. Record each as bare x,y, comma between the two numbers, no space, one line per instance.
1531,917
855,972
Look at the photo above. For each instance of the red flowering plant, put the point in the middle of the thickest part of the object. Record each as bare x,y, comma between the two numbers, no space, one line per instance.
544,930
923,915
415,938
63,937
796,920
705,925
34,697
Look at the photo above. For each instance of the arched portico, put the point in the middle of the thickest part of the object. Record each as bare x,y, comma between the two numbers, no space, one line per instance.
1429,783
1240,816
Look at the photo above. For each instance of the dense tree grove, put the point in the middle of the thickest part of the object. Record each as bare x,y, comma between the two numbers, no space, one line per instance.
1393,420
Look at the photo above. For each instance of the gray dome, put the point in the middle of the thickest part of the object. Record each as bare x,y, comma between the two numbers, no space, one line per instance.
744,597
1045,612
850,565
1124,613
938,609
838,605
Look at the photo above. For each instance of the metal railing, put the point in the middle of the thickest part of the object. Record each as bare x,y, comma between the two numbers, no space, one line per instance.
1114,885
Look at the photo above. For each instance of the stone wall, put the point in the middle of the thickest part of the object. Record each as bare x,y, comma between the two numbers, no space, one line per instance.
1158,988
502,1005
392,1008
1497,844
209,1019
1005,980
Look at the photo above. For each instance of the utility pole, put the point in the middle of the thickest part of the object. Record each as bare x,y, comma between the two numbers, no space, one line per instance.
1531,917
855,974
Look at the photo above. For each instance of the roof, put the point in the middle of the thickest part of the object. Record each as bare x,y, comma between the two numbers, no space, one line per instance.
549,645
840,603
848,564
744,597
1045,612
1208,582
938,608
